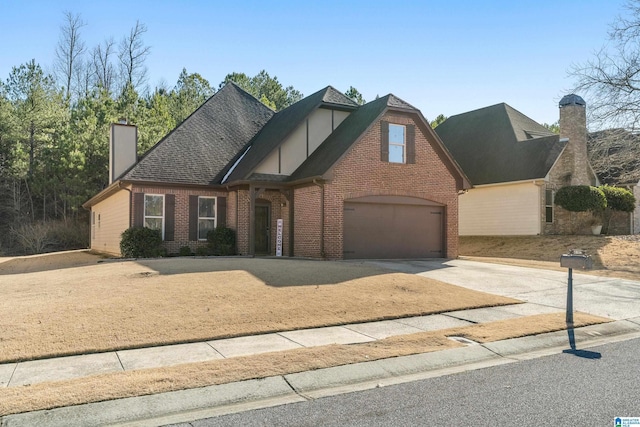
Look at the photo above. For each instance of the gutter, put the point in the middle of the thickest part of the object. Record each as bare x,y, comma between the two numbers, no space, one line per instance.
538,181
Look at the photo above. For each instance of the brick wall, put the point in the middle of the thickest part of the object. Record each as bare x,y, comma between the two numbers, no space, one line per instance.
361,173
571,168
573,125
307,220
181,237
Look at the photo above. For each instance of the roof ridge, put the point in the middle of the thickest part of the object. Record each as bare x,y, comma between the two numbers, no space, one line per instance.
340,99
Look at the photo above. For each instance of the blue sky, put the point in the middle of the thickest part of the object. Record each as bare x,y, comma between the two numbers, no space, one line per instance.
441,56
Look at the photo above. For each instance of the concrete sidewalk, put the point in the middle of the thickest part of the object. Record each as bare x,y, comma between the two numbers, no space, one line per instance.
64,368
194,404
543,292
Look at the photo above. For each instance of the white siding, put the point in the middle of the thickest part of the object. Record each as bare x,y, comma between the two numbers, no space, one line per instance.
111,219
294,150
500,210
270,164
338,117
303,141
319,128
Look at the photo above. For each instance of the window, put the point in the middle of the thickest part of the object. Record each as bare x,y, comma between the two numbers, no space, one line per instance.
397,144
93,224
548,205
154,212
206,216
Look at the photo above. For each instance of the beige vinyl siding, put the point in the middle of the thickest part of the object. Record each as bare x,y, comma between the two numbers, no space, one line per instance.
319,128
111,219
271,164
303,141
294,150
503,210
338,117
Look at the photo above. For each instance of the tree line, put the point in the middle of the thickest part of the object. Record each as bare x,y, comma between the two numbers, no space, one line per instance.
54,129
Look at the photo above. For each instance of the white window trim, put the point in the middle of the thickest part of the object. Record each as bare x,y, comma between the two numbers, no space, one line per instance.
155,216
93,225
214,218
549,205
403,145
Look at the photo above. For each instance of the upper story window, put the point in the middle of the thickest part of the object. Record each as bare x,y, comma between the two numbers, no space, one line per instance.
154,212
397,144
206,216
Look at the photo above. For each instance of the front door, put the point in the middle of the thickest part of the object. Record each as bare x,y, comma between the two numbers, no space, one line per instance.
262,230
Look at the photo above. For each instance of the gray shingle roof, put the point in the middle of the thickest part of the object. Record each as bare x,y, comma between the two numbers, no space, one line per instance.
201,147
281,125
499,144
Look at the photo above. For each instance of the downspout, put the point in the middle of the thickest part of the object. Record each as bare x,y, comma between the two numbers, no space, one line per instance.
130,200
237,227
321,217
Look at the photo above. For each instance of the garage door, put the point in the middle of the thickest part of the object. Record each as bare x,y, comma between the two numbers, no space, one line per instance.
392,227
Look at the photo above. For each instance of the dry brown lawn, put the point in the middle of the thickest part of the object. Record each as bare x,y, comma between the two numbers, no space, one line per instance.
149,381
616,256
70,303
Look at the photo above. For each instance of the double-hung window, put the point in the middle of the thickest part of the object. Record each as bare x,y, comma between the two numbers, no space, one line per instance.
397,144
548,205
206,216
154,212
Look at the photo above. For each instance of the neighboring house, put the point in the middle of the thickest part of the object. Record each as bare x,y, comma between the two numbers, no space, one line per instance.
516,165
323,178
615,156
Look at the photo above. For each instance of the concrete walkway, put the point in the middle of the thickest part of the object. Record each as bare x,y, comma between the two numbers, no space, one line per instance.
64,368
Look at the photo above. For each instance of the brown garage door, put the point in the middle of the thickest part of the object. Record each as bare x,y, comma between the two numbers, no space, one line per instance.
392,230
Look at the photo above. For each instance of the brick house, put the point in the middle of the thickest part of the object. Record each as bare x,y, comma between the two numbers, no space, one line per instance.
516,165
323,178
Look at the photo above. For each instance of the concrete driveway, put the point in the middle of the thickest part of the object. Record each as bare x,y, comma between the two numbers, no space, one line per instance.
602,296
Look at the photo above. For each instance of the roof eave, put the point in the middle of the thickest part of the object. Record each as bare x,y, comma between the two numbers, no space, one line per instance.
114,187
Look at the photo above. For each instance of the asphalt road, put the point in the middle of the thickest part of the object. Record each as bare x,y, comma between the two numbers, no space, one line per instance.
560,390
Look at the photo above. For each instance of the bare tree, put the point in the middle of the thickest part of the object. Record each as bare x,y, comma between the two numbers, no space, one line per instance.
614,155
102,66
69,50
132,55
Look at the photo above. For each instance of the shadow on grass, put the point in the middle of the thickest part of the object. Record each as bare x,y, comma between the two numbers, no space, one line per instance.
48,262
282,272
538,248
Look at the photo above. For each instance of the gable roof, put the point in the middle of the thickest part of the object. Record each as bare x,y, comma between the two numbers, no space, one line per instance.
500,144
355,125
200,147
279,127
339,141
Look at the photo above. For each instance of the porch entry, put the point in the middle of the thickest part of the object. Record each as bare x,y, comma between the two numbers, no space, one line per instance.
262,242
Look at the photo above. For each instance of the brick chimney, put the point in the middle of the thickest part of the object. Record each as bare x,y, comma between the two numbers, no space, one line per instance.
573,125
123,149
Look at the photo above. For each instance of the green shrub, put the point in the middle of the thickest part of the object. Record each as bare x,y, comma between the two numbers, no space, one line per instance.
141,242
619,199
184,251
581,198
202,251
222,241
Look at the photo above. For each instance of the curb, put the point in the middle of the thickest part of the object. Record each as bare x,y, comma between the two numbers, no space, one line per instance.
194,404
